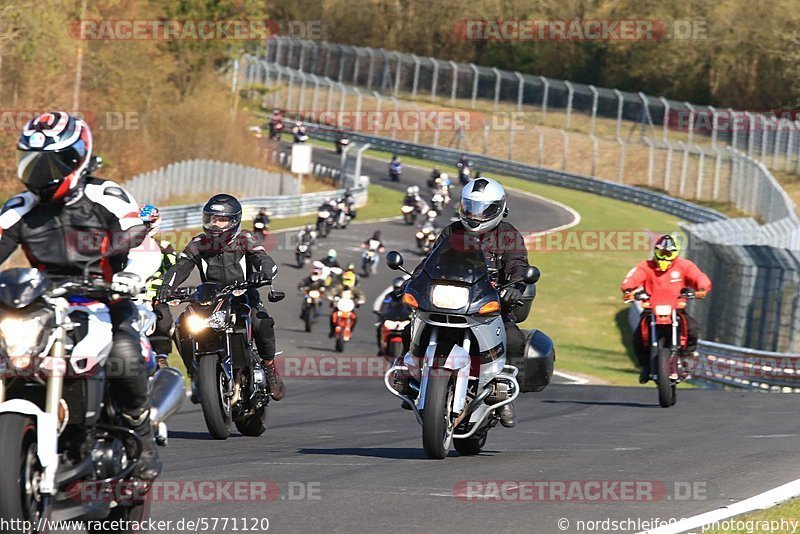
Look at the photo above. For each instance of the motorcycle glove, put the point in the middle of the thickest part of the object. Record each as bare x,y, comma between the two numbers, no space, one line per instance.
127,283
511,296
258,278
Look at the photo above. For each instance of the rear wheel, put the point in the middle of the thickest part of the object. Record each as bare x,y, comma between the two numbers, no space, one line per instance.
216,406
254,424
437,424
666,390
21,472
472,445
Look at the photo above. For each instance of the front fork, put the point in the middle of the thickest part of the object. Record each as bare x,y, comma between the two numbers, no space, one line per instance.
462,376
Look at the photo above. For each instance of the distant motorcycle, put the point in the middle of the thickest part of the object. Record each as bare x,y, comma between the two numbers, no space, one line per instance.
391,325
666,337
395,170
344,318
312,302
276,129
464,170
300,135
409,213
302,254
426,237
341,143
323,220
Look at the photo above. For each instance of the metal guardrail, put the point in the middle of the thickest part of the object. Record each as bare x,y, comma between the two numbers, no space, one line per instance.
190,216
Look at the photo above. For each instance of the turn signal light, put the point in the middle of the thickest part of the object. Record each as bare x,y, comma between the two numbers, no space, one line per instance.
491,307
410,300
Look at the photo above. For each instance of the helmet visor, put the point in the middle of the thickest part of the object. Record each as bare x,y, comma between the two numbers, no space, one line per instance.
216,223
666,255
480,211
40,169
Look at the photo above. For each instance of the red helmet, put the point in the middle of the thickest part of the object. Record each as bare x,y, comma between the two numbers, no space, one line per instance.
54,152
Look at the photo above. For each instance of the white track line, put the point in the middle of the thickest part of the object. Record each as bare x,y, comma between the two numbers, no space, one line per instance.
576,380
758,502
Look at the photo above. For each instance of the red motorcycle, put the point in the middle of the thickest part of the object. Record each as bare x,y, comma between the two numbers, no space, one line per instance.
664,331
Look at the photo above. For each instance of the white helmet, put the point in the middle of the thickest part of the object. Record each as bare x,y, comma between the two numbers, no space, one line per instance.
482,206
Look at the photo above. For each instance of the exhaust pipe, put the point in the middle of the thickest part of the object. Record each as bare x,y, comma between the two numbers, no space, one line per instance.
167,394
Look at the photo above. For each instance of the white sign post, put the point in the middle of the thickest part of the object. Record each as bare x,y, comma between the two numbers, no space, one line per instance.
301,163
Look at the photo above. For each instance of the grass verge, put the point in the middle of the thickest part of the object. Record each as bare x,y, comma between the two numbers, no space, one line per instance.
764,521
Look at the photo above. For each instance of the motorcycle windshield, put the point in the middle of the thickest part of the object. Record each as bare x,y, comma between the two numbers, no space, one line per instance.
396,311
458,258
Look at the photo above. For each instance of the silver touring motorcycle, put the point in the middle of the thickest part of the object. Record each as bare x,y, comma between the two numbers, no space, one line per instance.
458,387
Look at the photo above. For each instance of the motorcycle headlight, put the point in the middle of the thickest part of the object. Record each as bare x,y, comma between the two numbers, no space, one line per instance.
345,305
324,214
217,320
663,309
195,323
21,340
449,297
314,294
302,248
407,209
419,235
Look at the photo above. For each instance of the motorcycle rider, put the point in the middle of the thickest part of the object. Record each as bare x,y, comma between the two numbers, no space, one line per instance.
348,282
67,218
435,173
307,236
330,260
395,168
482,209
224,253
299,132
161,339
276,124
393,305
261,221
664,271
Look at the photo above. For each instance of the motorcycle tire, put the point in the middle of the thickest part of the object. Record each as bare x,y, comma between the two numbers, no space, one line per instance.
254,424
18,445
339,344
437,430
123,515
666,389
217,417
395,350
309,319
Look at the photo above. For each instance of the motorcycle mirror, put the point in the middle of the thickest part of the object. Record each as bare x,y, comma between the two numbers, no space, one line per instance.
394,260
276,296
532,275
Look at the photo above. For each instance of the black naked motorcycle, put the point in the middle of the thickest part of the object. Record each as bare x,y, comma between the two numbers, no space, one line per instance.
215,329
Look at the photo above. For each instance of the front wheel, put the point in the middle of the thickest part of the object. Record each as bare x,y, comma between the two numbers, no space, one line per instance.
254,424
300,259
395,350
340,343
309,318
666,389
216,406
437,424
21,472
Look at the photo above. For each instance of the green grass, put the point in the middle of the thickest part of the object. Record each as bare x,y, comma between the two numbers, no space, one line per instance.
758,522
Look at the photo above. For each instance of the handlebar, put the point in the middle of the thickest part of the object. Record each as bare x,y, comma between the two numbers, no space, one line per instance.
186,294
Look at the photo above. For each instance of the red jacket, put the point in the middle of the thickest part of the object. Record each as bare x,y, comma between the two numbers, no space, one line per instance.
682,273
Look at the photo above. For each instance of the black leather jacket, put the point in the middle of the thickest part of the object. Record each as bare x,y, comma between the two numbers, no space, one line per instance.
61,238
224,263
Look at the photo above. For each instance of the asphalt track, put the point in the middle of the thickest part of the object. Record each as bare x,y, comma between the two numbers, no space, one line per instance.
344,442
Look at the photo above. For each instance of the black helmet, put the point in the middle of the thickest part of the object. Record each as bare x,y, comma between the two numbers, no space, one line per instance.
223,209
376,235
54,152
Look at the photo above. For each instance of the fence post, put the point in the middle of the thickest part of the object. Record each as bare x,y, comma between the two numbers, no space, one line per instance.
435,80
789,143
570,95
621,177
717,168
619,110
316,93
665,132
356,65
595,152
329,107
751,131
301,105
497,81
650,162
520,89
398,73
545,94
302,56
684,168
565,149
485,139
668,168
454,84
700,168
778,130
378,102
733,126
371,71
595,96
416,77
394,108
713,126
340,48
691,122
475,76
